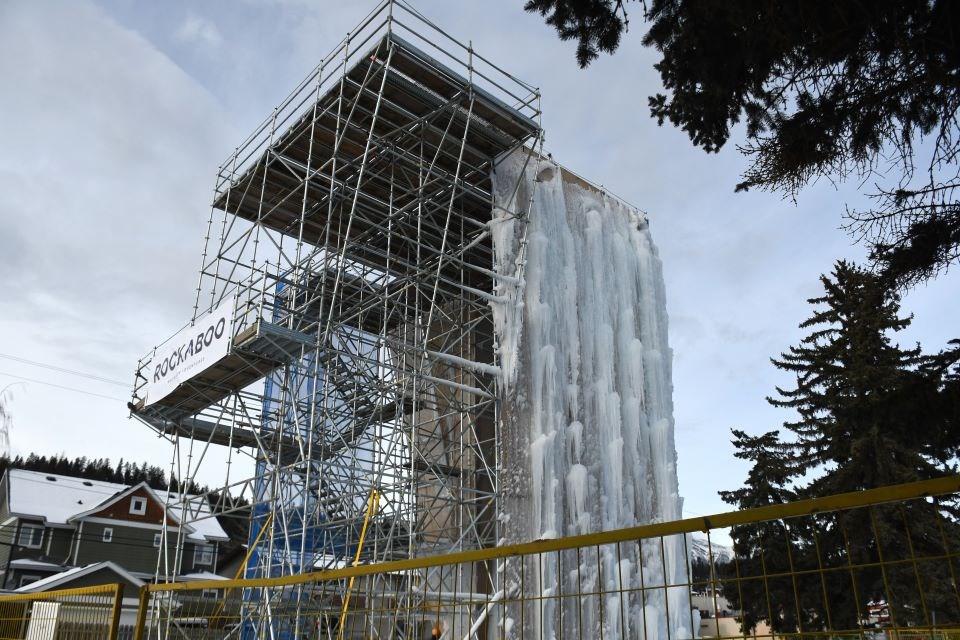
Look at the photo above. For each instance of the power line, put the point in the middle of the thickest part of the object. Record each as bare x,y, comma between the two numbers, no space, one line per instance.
73,372
117,540
60,386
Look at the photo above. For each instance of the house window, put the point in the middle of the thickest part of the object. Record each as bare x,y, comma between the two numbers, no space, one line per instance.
31,536
138,506
108,534
213,594
156,540
203,554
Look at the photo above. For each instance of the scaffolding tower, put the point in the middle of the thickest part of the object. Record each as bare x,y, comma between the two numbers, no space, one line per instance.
349,235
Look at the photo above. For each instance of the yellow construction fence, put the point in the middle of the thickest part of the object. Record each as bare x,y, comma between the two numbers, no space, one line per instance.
880,564
90,613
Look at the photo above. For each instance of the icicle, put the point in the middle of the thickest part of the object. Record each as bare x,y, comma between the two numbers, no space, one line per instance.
581,327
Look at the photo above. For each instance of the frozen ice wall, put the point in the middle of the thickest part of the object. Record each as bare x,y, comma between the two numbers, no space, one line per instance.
588,444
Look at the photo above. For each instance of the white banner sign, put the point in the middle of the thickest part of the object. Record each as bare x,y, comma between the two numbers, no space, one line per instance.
190,352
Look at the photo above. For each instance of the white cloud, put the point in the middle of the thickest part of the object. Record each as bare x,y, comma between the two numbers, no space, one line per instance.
195,29
109,158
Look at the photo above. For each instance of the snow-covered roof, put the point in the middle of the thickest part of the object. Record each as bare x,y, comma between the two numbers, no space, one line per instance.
117,497
56,499
26,563
201,575
58,579
196,513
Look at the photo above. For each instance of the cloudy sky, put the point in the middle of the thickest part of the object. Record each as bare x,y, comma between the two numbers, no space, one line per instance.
115,114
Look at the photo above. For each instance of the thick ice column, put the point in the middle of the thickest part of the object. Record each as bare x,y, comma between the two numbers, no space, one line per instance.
581,325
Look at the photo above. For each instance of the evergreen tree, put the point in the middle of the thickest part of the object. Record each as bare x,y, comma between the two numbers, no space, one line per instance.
61,464
826,89
156,478
936,399
762,549
853,391
142,473
596,25
99,469
769,476
870,413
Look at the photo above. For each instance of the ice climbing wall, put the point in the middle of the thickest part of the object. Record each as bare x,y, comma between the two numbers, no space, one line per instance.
588,445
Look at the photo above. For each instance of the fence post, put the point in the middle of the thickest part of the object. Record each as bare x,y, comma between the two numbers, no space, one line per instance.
142,605
117,607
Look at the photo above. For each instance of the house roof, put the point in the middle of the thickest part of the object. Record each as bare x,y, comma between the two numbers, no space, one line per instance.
55,498
58,499
40,565
64,577
120,495
201,575
196,513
